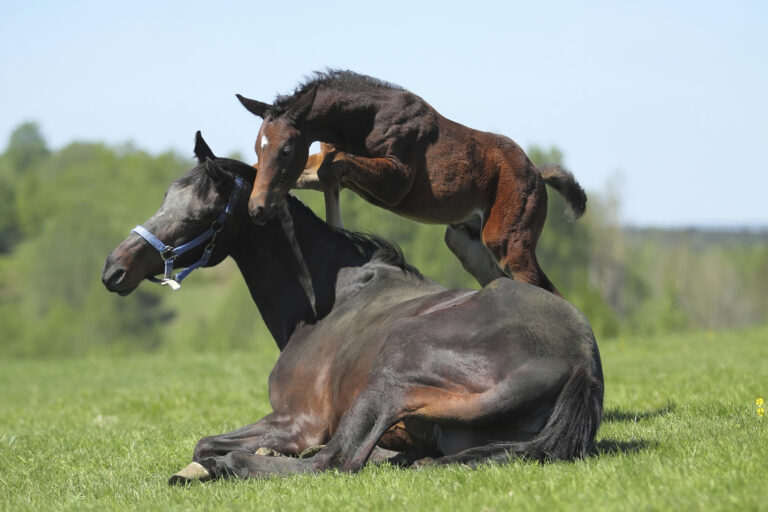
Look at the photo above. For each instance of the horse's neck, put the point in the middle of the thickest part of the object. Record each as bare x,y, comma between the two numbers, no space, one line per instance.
269,265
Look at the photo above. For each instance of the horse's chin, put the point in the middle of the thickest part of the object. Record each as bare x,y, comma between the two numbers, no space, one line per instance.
123,293
126,291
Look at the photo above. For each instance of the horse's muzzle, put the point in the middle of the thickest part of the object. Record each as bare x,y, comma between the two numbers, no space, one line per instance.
113,276
258,215
260,212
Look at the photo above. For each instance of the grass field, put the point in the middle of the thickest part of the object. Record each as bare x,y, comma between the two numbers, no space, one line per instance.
680,432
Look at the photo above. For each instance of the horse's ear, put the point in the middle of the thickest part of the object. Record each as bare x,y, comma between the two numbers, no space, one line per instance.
255,107
202,151
213,170
301,106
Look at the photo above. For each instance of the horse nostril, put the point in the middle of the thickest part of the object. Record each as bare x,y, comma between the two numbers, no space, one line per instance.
113,277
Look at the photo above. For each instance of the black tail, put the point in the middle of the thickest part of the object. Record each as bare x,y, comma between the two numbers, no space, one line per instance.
568,434
564,182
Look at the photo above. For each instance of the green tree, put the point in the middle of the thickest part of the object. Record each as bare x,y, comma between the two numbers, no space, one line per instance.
26,147
9,224
25,152
73,207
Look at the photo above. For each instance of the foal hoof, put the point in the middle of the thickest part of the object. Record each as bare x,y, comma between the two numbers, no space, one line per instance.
192,473
311,451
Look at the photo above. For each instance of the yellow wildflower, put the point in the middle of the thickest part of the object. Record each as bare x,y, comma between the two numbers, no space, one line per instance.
759,402
760,412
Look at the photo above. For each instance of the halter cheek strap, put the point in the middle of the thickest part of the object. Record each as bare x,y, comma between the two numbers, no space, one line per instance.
169,254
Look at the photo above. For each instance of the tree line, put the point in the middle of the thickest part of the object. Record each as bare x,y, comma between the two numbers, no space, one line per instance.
62,211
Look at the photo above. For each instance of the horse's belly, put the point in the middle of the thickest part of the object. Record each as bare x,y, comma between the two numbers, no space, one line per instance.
450,440
440,210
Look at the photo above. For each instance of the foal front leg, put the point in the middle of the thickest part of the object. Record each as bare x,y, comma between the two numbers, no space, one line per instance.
384,180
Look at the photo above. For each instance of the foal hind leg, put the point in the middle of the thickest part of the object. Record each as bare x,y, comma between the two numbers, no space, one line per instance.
384,181
512,232
464,241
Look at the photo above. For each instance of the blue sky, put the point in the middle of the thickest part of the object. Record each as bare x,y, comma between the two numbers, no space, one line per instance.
664,101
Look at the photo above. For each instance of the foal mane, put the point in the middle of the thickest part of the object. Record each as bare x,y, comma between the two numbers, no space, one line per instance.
368,245
340,79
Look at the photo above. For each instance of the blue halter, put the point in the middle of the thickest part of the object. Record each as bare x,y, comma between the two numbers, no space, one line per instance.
169,254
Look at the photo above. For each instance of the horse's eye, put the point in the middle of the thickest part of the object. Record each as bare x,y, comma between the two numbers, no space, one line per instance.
286,150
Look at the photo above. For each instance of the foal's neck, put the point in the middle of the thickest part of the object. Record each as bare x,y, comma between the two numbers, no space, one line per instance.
340,123
269,265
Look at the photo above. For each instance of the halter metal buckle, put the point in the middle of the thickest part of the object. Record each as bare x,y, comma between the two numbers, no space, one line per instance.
167,253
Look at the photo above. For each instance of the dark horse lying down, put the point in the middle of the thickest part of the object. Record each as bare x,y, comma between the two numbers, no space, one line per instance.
396,151
384,357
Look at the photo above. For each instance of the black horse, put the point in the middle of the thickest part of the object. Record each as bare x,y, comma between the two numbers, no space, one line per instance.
372,353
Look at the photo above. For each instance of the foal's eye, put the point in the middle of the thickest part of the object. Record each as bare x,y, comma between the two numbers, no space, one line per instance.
286,150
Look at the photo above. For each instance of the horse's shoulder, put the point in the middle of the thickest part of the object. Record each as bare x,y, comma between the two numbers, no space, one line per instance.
379,277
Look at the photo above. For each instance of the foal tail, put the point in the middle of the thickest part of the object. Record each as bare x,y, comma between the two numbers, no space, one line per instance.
568,434
564,182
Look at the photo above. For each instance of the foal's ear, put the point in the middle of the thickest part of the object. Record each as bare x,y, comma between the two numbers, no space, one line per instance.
202,151
301,106
255,107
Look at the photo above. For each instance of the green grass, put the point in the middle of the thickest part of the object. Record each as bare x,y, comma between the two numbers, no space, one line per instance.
680,433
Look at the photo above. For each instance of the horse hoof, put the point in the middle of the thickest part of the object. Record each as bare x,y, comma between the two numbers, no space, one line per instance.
422,463
381,455
192,473
267,452
311,451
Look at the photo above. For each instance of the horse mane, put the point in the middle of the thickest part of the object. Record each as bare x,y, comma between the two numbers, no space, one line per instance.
340,79
197,178
368,245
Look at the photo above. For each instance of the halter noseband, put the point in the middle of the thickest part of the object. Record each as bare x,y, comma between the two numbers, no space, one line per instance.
169,254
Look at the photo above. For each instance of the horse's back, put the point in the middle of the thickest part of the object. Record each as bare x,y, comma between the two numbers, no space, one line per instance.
506,315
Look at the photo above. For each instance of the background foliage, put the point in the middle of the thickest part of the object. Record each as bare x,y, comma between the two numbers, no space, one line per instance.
63,211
